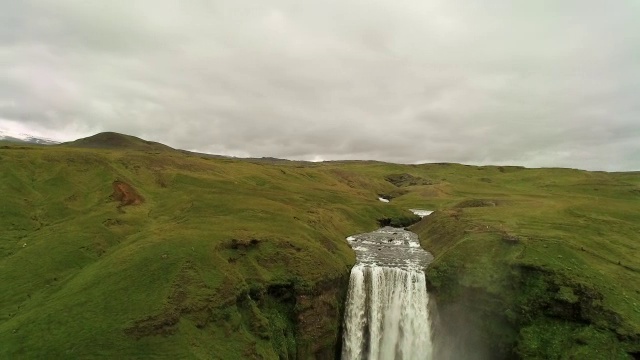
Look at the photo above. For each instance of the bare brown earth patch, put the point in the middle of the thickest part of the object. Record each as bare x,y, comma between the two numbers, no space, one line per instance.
125,194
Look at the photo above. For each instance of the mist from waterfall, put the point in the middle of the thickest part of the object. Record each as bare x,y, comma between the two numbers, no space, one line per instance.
386,315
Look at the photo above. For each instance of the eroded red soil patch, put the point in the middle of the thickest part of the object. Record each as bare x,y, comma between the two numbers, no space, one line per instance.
126,194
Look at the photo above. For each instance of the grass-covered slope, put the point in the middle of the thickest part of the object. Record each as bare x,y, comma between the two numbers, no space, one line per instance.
112,140
222,259
537,263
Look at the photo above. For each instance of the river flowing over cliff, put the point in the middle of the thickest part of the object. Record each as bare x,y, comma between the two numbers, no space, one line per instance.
387,314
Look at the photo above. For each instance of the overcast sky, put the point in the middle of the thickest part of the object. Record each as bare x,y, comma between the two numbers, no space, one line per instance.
535,83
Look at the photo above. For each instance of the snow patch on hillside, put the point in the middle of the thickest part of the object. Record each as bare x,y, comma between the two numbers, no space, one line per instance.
27,138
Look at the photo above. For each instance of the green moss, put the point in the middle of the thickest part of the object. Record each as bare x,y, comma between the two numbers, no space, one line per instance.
562,340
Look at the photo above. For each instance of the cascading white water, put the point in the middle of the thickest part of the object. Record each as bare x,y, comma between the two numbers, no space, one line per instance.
386,315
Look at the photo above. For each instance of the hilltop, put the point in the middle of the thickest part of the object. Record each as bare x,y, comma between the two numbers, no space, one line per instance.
113,140
166,254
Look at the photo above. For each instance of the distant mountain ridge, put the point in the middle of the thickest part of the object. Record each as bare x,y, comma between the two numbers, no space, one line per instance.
113,140
25,138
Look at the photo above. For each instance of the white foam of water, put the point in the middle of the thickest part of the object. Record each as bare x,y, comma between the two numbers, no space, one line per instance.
387,315
420,212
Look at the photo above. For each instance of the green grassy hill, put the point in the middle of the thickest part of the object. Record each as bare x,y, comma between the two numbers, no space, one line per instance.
544,262
233,259
111,140
221,259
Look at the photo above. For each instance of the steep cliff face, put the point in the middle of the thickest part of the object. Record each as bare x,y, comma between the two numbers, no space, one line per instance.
495,303
294,323
319,316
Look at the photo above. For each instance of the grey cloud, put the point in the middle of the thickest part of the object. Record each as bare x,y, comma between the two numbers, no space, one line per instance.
534,83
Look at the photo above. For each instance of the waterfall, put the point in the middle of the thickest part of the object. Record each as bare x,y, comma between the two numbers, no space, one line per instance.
386,315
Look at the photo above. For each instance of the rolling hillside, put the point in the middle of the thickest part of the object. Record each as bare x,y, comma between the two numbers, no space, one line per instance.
116,247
